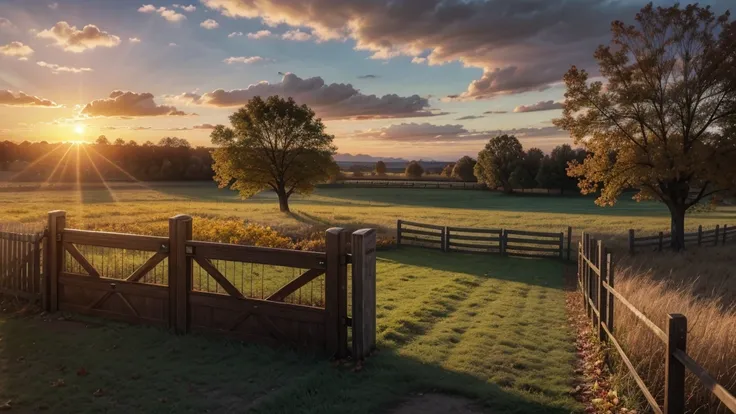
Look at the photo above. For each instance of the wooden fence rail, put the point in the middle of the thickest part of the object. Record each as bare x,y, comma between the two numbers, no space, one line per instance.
698,238
151,280
597,283
478,240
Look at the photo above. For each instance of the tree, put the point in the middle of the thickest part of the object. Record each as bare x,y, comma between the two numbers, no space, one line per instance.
174,142
447,171
464,169
274,144
414,170
102,140
664,123
498,160
522,178
119,142
553,171
381,168
132,143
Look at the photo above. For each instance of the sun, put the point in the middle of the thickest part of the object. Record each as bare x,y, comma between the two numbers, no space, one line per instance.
79,129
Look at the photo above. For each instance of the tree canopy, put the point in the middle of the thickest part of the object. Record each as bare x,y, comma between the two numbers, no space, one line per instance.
498,160
464,169
273,144
663,123
381,168
414,170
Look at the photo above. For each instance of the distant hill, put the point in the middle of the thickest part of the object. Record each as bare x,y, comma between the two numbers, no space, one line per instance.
366,158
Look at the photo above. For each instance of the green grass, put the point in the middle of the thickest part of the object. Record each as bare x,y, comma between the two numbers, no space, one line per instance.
489,328
348,207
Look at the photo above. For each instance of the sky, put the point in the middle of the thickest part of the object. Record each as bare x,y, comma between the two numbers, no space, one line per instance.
431,79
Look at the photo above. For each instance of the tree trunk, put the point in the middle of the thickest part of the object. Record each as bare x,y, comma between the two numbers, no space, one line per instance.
677,227
283,201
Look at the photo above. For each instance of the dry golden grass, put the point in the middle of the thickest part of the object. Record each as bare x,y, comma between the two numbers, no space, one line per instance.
700,284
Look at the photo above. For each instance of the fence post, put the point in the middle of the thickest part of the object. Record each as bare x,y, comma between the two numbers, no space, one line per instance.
54,258
569,243
503,237
586,272
610,302
36,265
700,234
180,272
602,292
674,370
725,231
445,241
398,232
715,239
632,240
364,292
336,293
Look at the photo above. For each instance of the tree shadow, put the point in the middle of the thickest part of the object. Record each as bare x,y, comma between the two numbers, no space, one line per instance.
324,223
90,365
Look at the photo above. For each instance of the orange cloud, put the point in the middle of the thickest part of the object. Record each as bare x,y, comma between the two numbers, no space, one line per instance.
74,40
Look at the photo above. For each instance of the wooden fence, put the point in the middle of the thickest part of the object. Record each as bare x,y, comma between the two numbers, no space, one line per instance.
477,240
256,294
597,284
21,264
698,238
447,185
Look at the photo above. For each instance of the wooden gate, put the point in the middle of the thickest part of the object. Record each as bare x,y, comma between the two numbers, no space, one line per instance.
108,274
20,264
266,295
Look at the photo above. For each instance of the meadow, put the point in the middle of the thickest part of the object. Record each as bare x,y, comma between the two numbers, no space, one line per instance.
470,320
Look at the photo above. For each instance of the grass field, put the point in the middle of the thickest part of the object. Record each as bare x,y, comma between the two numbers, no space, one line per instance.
348,207
488,328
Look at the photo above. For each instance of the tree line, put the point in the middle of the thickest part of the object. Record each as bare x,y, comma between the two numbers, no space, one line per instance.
503,164
171,159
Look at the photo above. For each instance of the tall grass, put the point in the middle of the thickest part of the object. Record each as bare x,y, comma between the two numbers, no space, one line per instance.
700,284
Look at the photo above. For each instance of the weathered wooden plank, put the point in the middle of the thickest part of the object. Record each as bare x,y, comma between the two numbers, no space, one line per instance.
534,241
103,313
295,284
79,257
474,230
476,238
116,240
221,280
415,224
364,292
421,232
104,284
146,267
533,233
260,255
476,246
417,239
651,325
22,237
258,306
511,248
707,380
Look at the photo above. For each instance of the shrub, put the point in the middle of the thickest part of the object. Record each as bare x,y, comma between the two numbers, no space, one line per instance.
414,170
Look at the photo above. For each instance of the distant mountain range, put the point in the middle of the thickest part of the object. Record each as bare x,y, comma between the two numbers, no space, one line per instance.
370,158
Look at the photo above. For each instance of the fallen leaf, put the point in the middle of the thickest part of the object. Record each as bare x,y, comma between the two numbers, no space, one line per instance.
82,372
98,392
58,383
6,406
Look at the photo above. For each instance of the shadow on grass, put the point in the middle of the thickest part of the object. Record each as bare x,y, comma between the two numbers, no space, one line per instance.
532,271
96,195
324,223
95,366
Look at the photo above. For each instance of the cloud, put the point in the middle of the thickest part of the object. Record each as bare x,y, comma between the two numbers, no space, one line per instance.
261,34
333,101
296,35
368,76
189,9
519,45
71,39
495,112
426,133
247,60
21,99
235,34
204,126
539,106
209,24
172,44
131,104
130,128
55,69
134,40
168,14
469,117
418,60
16,49
54,6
